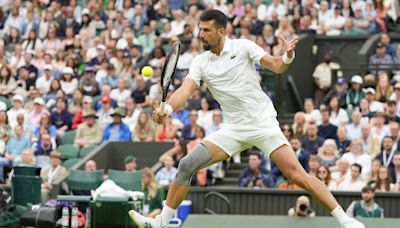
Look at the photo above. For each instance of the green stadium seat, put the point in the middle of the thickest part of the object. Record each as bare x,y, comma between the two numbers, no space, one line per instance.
131,181
68,138
68,151
86,150
70,162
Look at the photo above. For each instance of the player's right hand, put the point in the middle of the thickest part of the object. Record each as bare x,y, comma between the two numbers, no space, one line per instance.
158,116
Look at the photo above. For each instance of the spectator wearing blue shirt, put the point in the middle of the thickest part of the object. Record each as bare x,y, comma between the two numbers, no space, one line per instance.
176,4
16,144
167,174
111,78
61,118
42,149
189,130
326,130
117,131
256,176
182,115
342,142
312,141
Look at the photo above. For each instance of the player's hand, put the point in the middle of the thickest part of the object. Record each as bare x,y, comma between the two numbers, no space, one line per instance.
158,116
289,45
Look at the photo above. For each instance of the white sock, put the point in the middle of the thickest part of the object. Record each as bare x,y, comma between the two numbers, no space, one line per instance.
166,215
340,215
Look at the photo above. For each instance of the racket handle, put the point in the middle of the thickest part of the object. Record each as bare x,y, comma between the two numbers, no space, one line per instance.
162,107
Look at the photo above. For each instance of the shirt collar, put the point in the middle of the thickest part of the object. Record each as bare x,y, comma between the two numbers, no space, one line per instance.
227,47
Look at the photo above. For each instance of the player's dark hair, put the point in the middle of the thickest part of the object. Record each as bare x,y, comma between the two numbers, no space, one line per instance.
219,17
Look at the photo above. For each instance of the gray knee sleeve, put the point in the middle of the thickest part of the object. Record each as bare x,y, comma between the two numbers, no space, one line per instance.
195,160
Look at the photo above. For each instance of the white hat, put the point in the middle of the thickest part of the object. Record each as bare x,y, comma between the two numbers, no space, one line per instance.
68,70
121,44
18,97
357,79
85,11
369,90
101,47
48,67
38,100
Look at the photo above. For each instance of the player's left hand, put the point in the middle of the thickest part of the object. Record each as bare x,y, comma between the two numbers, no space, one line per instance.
289,45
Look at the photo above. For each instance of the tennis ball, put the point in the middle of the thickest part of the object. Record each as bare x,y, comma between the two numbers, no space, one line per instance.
147,71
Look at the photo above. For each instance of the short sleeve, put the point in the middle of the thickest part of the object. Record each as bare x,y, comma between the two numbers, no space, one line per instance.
254,51
195,71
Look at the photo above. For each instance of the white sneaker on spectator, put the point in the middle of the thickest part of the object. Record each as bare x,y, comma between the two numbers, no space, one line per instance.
144,222
353,224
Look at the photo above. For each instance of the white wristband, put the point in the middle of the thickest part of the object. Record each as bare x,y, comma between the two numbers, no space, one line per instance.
168,109
286,59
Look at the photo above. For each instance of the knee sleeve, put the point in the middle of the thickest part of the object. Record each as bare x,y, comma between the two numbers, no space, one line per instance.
197,159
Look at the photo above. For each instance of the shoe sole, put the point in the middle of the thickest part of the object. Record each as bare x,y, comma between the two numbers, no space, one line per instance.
132,216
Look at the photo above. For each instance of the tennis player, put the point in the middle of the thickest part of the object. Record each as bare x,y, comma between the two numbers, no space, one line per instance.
226,67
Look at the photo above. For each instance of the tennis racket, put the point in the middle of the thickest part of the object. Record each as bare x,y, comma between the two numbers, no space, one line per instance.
167,74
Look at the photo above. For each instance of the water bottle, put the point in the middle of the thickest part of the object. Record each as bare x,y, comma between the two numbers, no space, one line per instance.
65,217
88,218
74,218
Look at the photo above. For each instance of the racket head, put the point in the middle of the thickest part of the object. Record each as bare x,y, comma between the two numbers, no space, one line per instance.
167,74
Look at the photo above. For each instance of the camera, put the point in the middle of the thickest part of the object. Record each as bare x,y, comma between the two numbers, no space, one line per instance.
303,208
255,179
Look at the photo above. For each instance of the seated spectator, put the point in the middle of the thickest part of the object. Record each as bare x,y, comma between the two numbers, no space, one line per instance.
371,143
343,172
117,131
387,153
166,131
189,130
395,171
144,130
68,81
299,126
287,131
17,108
379,129
255,176
38,111
313,164
16,144
312,141
383,87
216,122
42,149
326,130
353,184
329,154
312,114
372,105
5,162
355,93
140,94
182,115
78,117
340,91
353,129
302,155
104,113
61,118
380,56
27,157
342,142
166,175
376,165
356,155
46,123
391,112
178,152
90,166
25,125
204,115
120,94
51,175
384,182
130,163
5,130
7,81
131,114
337,112
153,194
106,92
366,207
302,208
325,176
89,132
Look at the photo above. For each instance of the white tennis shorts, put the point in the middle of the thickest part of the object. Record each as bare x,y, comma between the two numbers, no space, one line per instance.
233,139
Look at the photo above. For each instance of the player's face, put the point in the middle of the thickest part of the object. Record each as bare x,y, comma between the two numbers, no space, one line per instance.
210,35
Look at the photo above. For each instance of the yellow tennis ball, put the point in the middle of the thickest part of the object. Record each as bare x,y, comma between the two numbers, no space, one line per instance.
147,71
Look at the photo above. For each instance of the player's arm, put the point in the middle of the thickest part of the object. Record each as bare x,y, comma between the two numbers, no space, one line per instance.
281,63
179,98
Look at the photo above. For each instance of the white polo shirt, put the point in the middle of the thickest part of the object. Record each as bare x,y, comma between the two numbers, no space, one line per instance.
232,80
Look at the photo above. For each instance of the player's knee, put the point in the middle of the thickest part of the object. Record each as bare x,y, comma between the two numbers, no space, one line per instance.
186,166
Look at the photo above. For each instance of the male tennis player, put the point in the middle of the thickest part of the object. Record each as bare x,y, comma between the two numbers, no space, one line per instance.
226,67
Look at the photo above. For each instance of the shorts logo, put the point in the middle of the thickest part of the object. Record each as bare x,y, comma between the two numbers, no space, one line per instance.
233,56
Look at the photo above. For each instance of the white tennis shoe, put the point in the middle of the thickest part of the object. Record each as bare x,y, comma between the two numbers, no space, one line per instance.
144,222
353,224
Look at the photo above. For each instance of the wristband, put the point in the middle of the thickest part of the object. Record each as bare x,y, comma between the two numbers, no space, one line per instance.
286,59
168,109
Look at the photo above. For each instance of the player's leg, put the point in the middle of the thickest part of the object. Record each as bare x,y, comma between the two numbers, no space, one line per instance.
202,156
287,162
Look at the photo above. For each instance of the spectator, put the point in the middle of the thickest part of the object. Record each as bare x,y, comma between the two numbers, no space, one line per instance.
387,153
204,115
117,131
147,39
51,175
299,126
189,130
26,126
380,130
27,158
90,132
5,130
380,58
376,165
340,91
312,141
120,94
68,81
353,184
374,106
45,123
42,149
61,118
356,156
302,155
342,142
383,88
371,143
16,144
349,28
90,166
366,207
104,113
312,115
355,93
140,94
327,130
78,117
329,154
255,176
325,176
343,172
153,194
384,182
287,131
130,163
178,152
391,115
394,133
43,82
131,114
7,81
338,114
353,129
335,24
166,131
38,111
144,130
111,78
167,174
395,171
314,163
302,208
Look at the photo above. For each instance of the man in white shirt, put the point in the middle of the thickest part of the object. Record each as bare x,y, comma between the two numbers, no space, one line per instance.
43,83
354,184
354,128
227,69
17,108
166,175
312,115
324,13
277,7
120,94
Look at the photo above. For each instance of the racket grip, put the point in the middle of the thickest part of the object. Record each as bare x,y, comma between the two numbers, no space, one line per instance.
162,107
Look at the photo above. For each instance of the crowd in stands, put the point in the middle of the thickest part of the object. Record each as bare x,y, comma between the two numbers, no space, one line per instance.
75,66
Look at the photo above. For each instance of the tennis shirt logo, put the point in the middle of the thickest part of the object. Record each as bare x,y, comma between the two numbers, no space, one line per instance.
233,56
